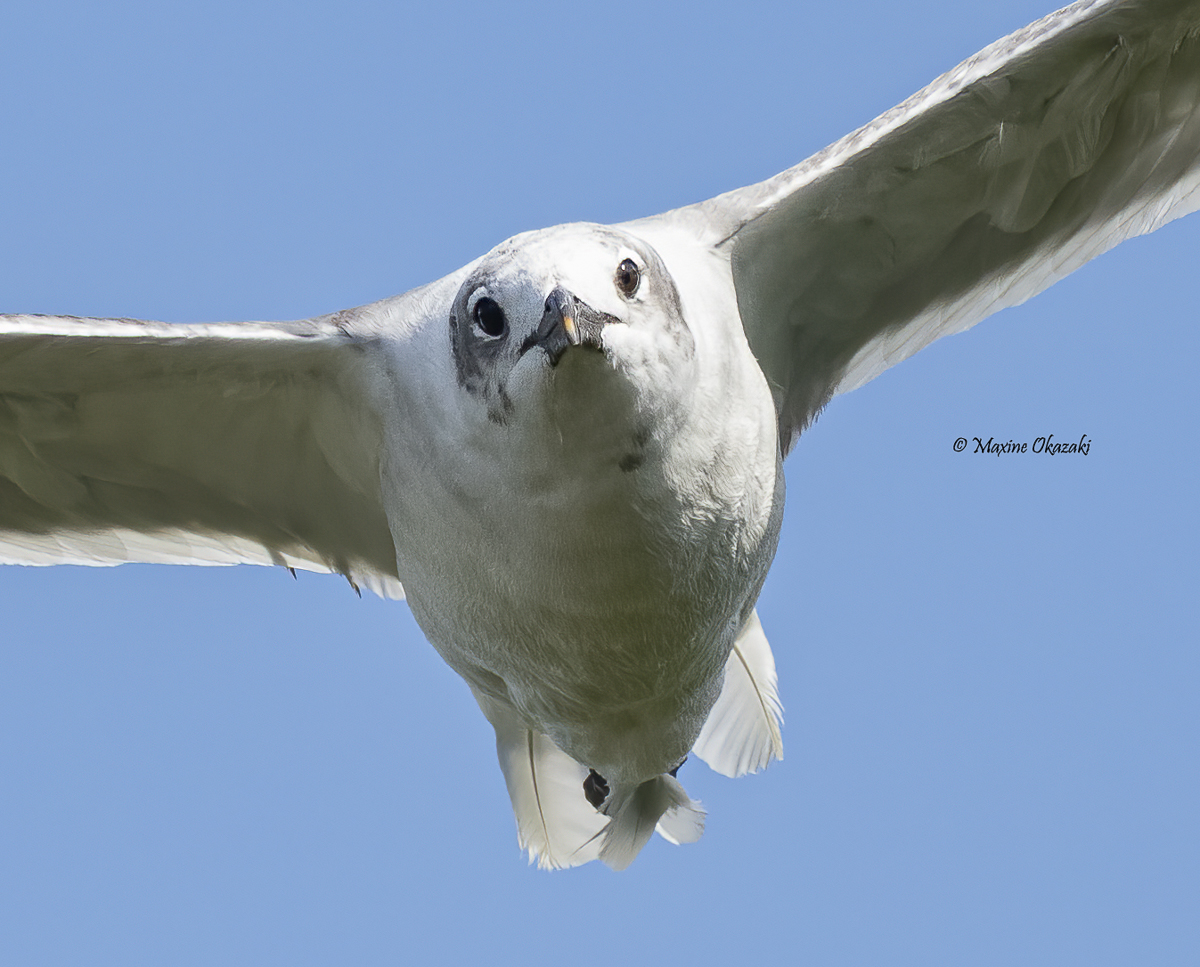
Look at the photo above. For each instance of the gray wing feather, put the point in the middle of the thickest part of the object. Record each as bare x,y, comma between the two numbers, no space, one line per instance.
132,441
999,178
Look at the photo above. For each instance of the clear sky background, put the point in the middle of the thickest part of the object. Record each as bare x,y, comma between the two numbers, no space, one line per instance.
989,665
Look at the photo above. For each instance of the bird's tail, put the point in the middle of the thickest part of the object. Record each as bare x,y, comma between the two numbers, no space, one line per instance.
557,824
636,811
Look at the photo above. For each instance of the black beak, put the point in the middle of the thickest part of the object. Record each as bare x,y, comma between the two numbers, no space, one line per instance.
567,322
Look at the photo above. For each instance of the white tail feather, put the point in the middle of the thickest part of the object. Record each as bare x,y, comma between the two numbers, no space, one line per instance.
555,822
682,824
742,731
635,813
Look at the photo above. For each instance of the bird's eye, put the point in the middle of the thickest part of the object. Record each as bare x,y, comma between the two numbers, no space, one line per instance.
627,278
489,317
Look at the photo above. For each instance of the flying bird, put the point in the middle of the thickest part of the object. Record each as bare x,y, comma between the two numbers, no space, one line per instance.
567,455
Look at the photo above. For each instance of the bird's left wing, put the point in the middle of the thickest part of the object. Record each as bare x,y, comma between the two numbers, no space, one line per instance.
999,178
216,444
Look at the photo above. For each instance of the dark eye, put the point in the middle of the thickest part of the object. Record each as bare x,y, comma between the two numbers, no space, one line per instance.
627,278
489,317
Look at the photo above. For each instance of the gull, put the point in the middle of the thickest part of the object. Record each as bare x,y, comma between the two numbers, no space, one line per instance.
567,455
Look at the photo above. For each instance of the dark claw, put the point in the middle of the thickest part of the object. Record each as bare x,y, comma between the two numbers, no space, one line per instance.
674,771
595,787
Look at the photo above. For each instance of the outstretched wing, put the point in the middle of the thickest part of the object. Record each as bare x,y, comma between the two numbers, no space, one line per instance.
999,178
219,444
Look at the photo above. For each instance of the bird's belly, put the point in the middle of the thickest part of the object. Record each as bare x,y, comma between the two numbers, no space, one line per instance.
600,602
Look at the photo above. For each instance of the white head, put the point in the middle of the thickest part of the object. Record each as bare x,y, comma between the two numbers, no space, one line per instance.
542,316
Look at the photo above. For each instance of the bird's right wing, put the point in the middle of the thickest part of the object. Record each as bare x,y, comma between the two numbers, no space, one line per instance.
218,444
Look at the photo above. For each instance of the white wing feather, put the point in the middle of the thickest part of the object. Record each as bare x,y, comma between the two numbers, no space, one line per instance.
742,732
221,444
1002,176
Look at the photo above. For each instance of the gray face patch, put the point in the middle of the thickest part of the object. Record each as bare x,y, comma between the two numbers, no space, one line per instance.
478,362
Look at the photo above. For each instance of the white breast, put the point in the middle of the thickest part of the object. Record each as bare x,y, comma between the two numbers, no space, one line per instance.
592,565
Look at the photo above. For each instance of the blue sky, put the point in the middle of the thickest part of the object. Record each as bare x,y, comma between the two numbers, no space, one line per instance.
989,665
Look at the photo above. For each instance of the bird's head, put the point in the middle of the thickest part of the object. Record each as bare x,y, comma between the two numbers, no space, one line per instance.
556,311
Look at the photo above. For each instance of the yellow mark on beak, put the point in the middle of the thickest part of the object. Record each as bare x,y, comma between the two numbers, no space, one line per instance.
569,326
